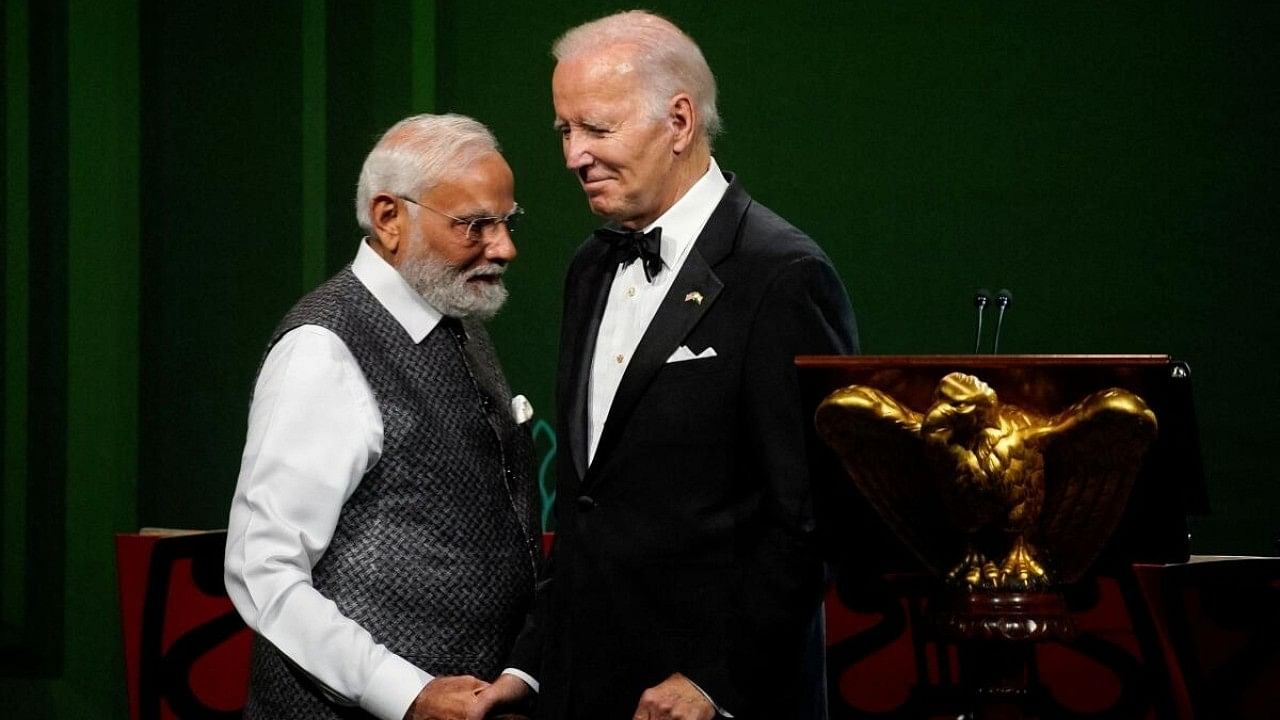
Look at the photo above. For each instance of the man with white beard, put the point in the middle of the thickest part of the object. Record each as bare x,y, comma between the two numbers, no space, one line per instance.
382,541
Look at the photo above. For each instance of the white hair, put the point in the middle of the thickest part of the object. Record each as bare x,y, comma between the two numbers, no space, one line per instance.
668,60
416,154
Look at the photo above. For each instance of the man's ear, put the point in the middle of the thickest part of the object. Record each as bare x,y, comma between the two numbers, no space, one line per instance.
682,116
390,229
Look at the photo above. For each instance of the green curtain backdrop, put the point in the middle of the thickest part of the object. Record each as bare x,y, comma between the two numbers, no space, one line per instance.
176,174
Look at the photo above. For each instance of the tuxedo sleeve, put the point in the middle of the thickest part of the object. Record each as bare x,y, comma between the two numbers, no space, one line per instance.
804,311
529,649
526,653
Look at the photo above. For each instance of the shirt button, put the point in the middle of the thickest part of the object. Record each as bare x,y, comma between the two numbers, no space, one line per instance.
617,359
631,292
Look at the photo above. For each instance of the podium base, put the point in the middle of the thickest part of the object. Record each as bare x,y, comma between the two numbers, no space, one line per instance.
997,634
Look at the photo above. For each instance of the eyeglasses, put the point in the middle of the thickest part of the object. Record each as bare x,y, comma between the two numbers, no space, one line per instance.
478,228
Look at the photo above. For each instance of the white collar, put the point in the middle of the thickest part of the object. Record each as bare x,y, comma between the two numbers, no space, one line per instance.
415,315
683,222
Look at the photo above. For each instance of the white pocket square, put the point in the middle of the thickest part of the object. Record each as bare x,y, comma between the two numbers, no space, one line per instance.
683,353
521,409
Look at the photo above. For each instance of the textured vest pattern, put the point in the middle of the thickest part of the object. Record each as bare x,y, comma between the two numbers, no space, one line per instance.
435,552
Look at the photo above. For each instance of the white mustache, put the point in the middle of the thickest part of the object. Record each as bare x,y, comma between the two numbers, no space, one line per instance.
494,271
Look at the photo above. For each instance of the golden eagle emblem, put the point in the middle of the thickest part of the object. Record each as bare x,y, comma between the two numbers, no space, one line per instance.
987,494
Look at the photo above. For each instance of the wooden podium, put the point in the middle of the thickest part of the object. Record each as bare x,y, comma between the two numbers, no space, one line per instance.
874,526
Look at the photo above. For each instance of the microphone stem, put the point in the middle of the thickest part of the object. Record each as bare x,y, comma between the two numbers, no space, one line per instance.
995,345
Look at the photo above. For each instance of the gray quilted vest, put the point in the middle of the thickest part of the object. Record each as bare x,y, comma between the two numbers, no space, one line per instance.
435,552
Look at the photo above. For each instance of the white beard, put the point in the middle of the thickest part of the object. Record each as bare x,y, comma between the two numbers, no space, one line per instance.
446,289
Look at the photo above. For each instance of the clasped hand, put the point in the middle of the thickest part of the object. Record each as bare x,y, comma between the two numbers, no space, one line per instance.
469,698
675,698
446,698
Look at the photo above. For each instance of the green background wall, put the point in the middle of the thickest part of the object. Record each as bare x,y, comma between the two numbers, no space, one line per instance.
176,174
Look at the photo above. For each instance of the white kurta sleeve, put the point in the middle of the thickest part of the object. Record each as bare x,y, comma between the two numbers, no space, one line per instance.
314,430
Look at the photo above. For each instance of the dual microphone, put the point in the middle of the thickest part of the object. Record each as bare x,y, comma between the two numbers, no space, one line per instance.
981,299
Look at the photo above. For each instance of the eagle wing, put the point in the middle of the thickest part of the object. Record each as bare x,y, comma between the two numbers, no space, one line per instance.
878,442
1092,454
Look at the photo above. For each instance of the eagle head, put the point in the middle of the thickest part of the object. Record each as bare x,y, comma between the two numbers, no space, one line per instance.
962,406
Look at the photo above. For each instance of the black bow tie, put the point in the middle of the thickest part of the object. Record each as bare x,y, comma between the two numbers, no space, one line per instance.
632,244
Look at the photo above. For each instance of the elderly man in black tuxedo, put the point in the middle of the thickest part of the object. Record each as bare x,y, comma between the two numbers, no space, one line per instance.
685,581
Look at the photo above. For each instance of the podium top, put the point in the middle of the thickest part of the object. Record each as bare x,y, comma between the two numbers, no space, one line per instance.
1041,383
979,360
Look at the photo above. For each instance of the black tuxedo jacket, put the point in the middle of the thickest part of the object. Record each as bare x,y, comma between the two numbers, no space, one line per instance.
688,543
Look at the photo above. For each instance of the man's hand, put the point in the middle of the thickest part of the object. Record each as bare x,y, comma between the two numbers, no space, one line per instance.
675,698
506,691
446,698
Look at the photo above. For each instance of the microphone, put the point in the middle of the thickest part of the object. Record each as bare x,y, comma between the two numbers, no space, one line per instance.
980,300
1003,298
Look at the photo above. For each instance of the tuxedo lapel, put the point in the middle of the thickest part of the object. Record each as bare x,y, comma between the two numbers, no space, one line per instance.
691,295
582,317
676,316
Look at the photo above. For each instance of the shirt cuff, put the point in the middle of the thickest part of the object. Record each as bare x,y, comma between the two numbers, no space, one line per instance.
719,710
526,677
393,687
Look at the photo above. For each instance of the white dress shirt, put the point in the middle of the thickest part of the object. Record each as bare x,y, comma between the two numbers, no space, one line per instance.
633,300
314,430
